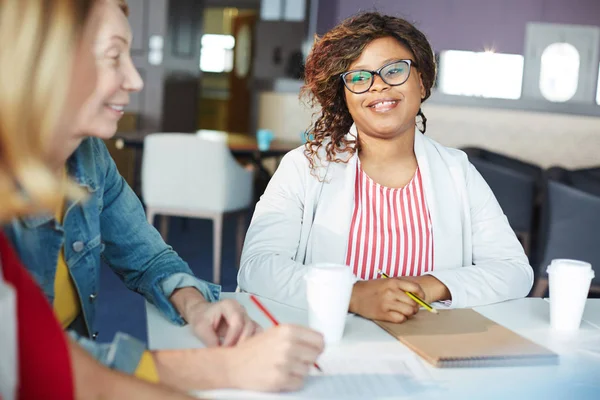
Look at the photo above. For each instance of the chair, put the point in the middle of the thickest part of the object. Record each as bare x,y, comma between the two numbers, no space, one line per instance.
593,172
190,176
586,180
516,192
570,224
509,162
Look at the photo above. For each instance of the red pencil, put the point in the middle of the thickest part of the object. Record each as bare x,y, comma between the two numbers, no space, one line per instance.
262,308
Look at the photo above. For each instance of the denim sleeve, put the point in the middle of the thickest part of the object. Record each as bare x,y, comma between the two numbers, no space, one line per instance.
211,292
122,354
133,248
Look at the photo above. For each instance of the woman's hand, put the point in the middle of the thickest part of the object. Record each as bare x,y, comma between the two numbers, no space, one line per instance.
385,299
277,360
222,323
433,288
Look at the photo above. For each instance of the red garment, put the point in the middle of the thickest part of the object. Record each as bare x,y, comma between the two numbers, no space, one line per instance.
44,361
390,230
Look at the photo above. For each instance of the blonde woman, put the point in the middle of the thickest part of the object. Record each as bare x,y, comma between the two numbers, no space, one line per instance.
111,225
62,251
42,45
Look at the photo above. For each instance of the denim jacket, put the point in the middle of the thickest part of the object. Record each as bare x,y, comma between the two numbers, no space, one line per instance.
110,224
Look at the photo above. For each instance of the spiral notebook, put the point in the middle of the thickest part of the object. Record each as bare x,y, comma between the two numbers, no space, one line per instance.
465,338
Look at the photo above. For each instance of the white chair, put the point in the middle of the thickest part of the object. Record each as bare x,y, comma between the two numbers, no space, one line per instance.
189,176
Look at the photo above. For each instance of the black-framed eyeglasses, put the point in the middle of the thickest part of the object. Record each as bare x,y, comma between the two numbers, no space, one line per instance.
394,73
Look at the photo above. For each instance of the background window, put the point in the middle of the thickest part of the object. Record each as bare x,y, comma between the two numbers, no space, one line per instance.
561,62
598,90
559,72
482,74
216,54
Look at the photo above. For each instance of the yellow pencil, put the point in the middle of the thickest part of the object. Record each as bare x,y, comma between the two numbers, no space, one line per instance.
413,296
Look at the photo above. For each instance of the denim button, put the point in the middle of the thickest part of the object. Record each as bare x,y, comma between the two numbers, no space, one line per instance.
93,297
78,246
95,335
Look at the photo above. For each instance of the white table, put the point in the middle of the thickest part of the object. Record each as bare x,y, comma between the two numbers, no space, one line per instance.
591,313
577,376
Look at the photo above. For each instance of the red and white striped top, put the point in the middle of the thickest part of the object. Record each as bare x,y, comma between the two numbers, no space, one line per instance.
390,229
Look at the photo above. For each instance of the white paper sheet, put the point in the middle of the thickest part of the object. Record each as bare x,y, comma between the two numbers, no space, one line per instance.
355,378
360,378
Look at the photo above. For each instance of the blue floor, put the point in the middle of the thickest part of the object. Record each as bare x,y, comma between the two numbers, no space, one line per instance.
120,309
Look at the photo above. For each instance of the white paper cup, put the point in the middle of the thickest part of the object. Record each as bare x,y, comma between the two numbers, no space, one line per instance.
328,291
569,282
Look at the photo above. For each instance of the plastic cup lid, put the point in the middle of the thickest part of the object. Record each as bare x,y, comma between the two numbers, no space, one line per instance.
328,272
570,266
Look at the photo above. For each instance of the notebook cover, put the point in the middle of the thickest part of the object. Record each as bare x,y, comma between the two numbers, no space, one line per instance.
465,338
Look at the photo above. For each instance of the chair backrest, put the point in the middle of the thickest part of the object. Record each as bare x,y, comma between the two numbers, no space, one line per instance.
571,225
585,181
581,179
514,190
532,170
593,172
184,171
500,159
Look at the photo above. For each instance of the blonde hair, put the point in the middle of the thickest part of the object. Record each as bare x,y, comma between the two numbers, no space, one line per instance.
37,46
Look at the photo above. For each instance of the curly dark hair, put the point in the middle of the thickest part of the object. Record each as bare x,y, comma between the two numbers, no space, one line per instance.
332,54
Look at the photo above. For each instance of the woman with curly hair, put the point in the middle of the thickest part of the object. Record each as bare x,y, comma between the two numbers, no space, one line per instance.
371,191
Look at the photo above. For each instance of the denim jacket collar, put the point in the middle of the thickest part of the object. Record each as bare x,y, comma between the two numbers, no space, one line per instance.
78,168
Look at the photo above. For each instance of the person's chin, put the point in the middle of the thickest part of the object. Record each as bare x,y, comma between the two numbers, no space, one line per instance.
386,130
392,126
107,131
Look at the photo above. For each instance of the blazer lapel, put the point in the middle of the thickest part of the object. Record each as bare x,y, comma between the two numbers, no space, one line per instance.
443,202
333,212
331,226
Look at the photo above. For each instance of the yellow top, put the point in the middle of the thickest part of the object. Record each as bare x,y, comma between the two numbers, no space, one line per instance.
67,305
66,300
146,369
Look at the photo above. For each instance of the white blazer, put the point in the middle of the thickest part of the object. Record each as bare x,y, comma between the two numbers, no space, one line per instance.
300,220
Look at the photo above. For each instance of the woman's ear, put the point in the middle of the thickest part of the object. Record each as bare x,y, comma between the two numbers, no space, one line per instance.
421,86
